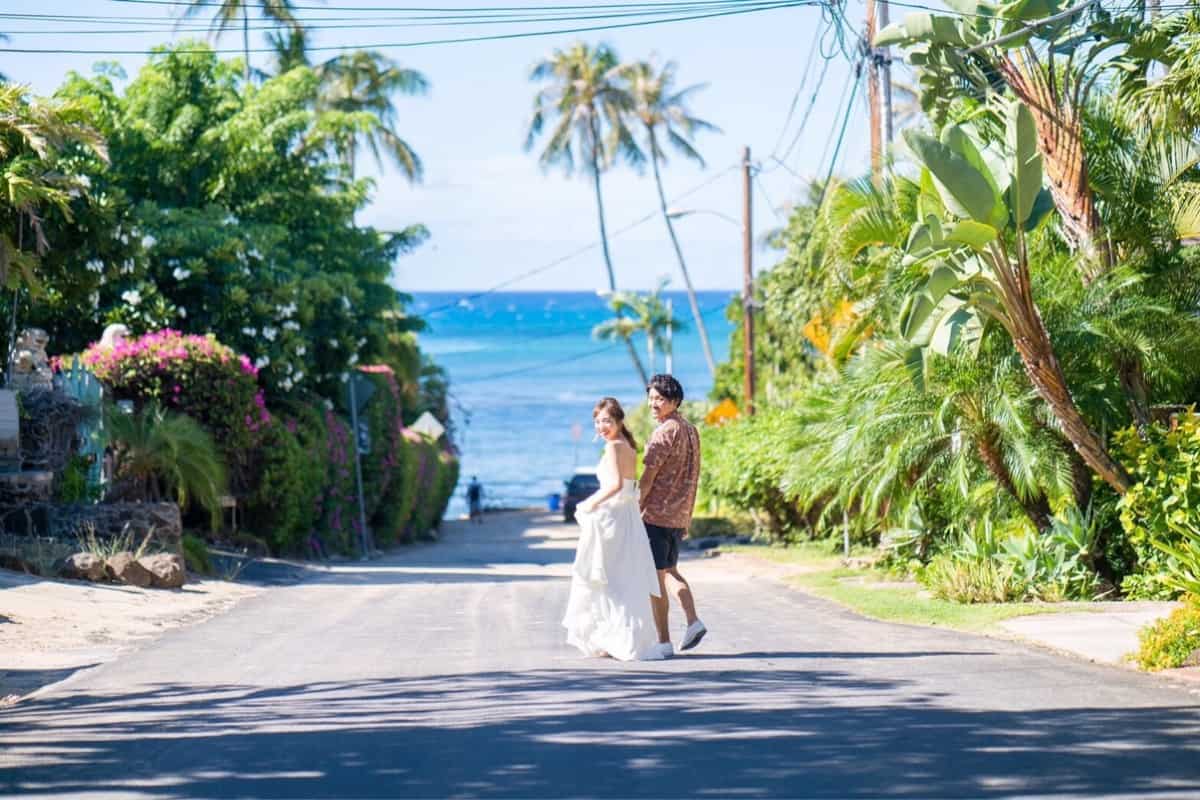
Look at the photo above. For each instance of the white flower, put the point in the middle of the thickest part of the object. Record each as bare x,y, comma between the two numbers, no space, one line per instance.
262,361
250,331
333,343
94,297
254,253
353,359
148,241
286,383
287,311
95,265
301,350
183,313
346,302
128,266
181,274
299,376
270,333
329,404
291,325
84,181
132,297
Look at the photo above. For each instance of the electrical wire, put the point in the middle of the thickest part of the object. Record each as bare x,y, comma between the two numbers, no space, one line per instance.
428,42
841,137
413,21
559,361
581,250
812,52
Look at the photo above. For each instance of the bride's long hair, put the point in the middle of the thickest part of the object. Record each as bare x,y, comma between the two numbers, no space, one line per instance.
613,407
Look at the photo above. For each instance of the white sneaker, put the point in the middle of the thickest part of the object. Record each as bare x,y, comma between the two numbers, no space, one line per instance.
692,636
665,650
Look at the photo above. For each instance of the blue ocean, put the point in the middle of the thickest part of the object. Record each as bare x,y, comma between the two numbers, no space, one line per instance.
525,372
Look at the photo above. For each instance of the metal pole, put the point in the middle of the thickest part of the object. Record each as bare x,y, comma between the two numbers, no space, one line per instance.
747,287
670,339
885,56
362,506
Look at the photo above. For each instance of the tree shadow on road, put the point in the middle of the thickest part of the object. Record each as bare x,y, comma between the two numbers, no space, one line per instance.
612,730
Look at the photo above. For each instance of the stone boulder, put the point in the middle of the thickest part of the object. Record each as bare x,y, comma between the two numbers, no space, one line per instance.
83,567
167,569
125,568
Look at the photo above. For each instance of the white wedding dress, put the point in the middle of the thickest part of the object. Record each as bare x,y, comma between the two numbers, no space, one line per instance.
608,610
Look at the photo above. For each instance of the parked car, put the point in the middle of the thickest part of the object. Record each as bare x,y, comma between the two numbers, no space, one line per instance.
582,485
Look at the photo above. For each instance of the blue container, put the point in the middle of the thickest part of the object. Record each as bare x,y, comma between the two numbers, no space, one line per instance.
554,501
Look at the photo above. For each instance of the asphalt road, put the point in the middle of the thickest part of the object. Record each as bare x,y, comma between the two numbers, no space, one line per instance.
440,671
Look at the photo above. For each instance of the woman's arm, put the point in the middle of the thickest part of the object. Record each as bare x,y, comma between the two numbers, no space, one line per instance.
610,480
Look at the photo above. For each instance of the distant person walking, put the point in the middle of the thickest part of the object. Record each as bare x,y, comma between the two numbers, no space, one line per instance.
670,475
475,500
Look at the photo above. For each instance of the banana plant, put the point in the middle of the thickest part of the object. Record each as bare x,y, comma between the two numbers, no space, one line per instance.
977,266
990,46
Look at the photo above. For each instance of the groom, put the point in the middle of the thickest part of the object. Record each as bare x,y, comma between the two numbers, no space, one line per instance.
670,474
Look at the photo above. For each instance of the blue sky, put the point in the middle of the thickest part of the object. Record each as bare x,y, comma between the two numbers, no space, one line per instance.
492,212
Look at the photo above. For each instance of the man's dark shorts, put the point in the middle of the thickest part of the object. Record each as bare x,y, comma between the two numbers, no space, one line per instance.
664,544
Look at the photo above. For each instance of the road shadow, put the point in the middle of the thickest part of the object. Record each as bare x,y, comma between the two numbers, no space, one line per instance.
23,681
611,730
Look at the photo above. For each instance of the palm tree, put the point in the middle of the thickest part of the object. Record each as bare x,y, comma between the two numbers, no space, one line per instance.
641,312
160,453
365,80
228,12
662,112
588,106
362,80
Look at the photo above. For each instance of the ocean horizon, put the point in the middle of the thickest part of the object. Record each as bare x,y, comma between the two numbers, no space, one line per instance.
525,373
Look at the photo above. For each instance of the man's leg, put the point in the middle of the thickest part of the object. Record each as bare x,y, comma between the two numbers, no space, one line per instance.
661,606
681,591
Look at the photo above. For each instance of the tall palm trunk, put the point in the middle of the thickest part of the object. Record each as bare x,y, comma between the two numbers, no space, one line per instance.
612,276
1036,507
687,278
1057,109
1041,365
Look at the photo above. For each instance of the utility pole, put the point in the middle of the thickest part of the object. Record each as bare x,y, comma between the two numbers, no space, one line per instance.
873,96
747,288
885,59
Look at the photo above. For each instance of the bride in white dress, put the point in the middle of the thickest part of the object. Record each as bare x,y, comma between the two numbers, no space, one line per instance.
608,611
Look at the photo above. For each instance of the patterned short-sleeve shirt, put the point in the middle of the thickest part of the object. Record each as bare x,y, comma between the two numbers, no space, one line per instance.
671,473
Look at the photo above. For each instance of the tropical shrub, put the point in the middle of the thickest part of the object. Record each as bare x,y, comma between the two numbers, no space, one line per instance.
340,530
447,479
194,375
162,454
1018,562
1173,641
282,505
1160,512
195,554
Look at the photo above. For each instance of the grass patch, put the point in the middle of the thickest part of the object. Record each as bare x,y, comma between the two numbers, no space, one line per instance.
871,594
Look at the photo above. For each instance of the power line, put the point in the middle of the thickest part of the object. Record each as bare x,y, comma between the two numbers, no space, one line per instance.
812,101
812,51
560,360
459,40
359,22
841,136
581,250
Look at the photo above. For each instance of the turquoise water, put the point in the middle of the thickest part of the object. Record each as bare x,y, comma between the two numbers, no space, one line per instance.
524,369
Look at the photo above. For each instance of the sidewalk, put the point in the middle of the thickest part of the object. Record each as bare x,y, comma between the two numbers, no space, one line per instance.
1106,635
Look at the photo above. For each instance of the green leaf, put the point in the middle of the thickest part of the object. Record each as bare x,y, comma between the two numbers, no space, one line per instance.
923,304
962,327
1026,176
921,26
961,186
975,235
1042,206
